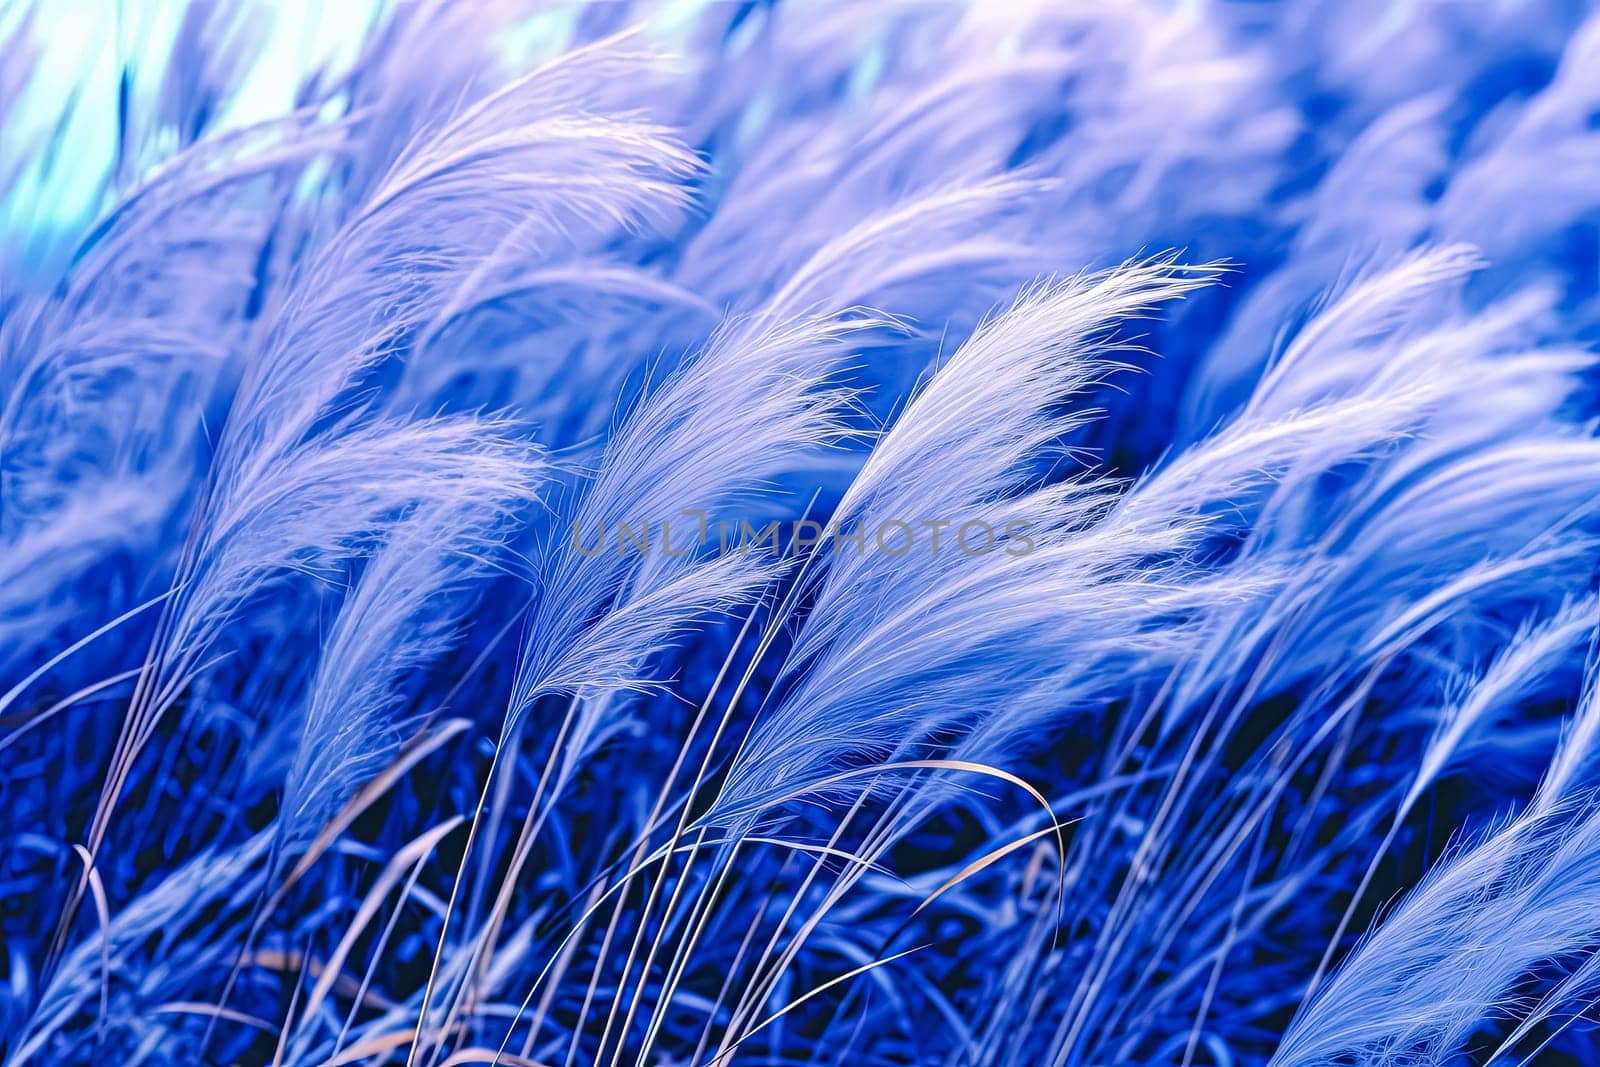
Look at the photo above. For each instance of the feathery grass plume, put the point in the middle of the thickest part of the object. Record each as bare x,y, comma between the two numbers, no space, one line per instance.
112,354
456,606
674,468
1454,497
1217,771
398,617
347,310
1523,184
1520,666
381,633
963,445
287,494
630,570
447,207
1476,941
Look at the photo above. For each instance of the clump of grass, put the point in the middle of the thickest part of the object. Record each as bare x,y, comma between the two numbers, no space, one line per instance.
667,536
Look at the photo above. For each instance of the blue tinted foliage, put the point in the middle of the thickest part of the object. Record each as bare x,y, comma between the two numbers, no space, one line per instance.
986,535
